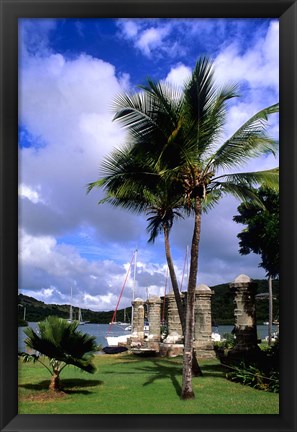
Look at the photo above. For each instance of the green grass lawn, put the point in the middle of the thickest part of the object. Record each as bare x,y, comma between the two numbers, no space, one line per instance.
127,384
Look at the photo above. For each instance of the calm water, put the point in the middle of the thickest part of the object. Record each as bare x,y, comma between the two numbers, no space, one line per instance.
100,330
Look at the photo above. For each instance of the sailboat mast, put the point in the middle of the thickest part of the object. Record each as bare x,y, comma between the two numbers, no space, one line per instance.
133,289
71,312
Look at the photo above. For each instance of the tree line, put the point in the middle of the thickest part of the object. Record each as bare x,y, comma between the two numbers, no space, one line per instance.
222,307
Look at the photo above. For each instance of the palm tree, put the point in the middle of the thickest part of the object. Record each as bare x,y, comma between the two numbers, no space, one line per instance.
176,137
158,199
63,345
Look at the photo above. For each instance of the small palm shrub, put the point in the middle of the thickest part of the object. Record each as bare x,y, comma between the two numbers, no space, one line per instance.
63,345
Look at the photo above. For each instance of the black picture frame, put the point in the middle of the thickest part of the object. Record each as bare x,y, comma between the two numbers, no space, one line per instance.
11,10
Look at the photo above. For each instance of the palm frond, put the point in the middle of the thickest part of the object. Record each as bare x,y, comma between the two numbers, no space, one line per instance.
241,192
211,199
60,340
250,140
268,178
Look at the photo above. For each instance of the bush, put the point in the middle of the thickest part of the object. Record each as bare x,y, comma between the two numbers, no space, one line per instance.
227,342
254,377
260,373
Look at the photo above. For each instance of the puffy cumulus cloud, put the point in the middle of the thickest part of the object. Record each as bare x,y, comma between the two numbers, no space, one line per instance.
56,94
48,271
27,192
129,28
151,36
66,104
178,75
219,258
258,65
151,39
65,114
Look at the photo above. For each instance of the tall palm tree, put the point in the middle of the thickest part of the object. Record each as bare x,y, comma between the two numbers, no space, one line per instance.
63,345
158,199
176,137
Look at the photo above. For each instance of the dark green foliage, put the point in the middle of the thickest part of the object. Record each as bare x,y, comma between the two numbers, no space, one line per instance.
37,311
260,371
254,377
57,339
261,235
62,344
227,342
223,306
22,322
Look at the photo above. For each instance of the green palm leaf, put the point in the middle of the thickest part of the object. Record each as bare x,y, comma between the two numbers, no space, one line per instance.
59,340
250,140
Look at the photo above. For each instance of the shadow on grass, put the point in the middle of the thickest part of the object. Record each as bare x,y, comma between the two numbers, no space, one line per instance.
68,386
157,369
215,370
163,368
161,372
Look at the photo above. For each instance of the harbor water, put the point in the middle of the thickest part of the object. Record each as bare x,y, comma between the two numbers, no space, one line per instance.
100,331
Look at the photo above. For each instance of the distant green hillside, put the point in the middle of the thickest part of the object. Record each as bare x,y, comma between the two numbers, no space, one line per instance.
222,307
37,310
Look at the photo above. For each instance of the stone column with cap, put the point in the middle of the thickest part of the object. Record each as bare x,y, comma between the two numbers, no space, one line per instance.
175,334
245,330
138,319
203,324
154,317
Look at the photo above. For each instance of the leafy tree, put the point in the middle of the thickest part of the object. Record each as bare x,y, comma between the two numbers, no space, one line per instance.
174,136
262,235
63,345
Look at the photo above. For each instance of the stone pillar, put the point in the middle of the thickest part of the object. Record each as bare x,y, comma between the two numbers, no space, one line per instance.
203,327
154,318
138,319
245,331
175,334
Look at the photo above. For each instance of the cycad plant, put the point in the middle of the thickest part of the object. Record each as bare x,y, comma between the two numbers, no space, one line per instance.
63,344
175,138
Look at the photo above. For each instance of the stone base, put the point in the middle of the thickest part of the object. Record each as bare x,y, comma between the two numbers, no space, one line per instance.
171,350
205,353
236,356
173,338
134,342
153,346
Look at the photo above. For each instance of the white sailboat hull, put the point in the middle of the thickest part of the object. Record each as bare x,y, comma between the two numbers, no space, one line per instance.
115,340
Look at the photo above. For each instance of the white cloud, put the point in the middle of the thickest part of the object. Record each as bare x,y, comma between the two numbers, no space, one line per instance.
129,28
151,39
178,75
27,192
65,109
258,65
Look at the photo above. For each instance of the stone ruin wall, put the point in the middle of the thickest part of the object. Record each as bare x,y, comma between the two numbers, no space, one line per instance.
243,290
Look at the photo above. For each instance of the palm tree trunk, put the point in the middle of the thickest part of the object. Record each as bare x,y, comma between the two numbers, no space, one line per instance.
187,389
196,371
55,381
270,309
174,282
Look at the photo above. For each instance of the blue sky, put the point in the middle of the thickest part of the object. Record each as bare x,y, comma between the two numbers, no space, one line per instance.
70,70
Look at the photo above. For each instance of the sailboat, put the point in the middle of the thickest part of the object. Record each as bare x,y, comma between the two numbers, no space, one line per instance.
114,341
70,319
80,320
124,323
